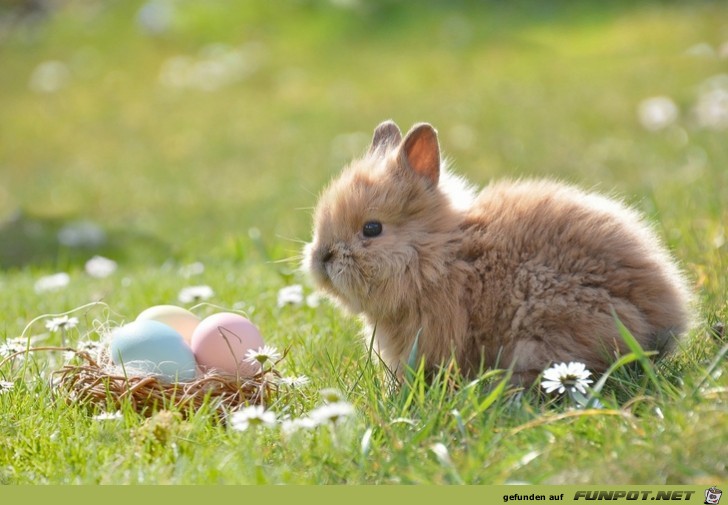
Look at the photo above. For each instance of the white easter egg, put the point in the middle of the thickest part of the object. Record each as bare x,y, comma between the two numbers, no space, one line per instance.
151,347
178,318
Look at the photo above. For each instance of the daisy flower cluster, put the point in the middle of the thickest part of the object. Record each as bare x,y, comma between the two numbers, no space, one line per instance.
12,346
329,413
97,267
294,295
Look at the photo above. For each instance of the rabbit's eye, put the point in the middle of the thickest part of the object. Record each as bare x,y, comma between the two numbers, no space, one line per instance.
372,228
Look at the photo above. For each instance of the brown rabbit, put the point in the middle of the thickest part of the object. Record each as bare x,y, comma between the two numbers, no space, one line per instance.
527,273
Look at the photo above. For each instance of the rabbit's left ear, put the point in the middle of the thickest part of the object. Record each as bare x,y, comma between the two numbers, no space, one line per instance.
420,152
386,136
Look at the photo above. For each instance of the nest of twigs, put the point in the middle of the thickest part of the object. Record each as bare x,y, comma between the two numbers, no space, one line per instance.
94,382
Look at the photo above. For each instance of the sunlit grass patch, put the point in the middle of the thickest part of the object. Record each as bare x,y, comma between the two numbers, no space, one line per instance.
189,153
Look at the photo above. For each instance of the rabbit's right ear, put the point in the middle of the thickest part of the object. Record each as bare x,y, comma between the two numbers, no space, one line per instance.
420,152
386,136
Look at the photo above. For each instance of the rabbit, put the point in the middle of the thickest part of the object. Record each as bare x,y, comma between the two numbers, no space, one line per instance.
525,274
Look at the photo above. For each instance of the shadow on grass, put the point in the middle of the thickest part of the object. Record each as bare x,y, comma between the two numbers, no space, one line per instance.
66,241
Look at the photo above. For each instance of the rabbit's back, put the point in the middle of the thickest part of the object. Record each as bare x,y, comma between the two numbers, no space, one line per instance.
549,264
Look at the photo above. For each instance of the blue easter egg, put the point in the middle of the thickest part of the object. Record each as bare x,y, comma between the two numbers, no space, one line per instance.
151,347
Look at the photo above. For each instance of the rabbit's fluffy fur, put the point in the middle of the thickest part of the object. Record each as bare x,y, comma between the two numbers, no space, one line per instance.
525,274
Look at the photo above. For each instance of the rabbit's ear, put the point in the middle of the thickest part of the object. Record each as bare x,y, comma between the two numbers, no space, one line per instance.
420,152
386,136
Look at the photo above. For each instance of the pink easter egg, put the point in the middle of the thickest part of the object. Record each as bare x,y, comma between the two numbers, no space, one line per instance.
221,341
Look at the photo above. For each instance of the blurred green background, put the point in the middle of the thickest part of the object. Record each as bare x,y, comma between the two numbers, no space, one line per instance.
172,128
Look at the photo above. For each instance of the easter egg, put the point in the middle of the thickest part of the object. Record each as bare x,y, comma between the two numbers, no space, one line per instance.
221,341
151,347
178,318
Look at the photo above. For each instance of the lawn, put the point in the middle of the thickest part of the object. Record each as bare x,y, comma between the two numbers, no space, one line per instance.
187,142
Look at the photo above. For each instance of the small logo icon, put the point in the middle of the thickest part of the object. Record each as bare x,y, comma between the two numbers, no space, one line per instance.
712,496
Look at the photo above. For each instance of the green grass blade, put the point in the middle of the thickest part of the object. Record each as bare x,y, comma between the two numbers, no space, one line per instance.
636,348
412,359
492,397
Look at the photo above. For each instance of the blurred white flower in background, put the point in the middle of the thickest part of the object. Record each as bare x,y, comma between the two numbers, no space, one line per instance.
196,268
701,50
346,4
49,77
313,300
723,50
6,386
193,294
100,267
331,412
711,109
290,295
657,113
289,426
52,282
108,416
331,395
217,66
294,382
156,17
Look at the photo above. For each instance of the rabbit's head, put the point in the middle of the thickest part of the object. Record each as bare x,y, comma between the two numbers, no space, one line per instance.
383,228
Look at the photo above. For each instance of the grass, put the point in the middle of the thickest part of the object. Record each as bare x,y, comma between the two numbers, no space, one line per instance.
174,175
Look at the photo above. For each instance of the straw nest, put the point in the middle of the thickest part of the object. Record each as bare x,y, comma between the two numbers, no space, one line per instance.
95,382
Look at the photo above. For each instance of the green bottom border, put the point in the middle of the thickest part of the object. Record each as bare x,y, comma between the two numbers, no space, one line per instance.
346,495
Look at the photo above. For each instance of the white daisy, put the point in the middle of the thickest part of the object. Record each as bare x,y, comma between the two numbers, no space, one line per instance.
61,323
331,395
100,267
331,412
6,386
262,355
290,295
561,377
195,294
12,346
294,382
255,415
108,416
92,347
